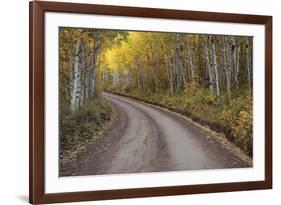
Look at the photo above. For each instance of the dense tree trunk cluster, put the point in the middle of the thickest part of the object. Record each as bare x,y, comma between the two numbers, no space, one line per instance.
151,62
80,53
180,62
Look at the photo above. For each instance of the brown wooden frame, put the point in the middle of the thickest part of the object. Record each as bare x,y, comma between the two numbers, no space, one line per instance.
36,100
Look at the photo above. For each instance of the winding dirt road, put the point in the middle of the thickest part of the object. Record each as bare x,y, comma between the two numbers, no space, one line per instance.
144,138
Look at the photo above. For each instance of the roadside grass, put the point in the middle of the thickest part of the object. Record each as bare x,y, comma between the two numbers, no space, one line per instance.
82,127
234,120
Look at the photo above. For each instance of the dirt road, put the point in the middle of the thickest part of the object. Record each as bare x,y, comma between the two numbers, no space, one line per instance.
144,138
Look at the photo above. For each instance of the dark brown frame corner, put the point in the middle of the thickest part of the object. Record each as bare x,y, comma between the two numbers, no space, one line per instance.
37,10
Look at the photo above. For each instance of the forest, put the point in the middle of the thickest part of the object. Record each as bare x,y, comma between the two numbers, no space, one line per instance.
208,78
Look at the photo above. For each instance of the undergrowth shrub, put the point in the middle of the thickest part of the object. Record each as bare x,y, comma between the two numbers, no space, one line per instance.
84,125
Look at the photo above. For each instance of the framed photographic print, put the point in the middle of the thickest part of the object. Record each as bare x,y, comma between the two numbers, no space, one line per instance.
138,102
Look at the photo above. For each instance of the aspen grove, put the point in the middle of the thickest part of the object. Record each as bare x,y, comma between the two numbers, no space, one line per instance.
174,62
208,78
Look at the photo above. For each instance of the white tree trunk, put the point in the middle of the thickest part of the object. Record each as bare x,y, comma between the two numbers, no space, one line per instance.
190,54
214,63
71,77
227,67
235,61
248,54
237,65
155,66
209,68
76,78
170,71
